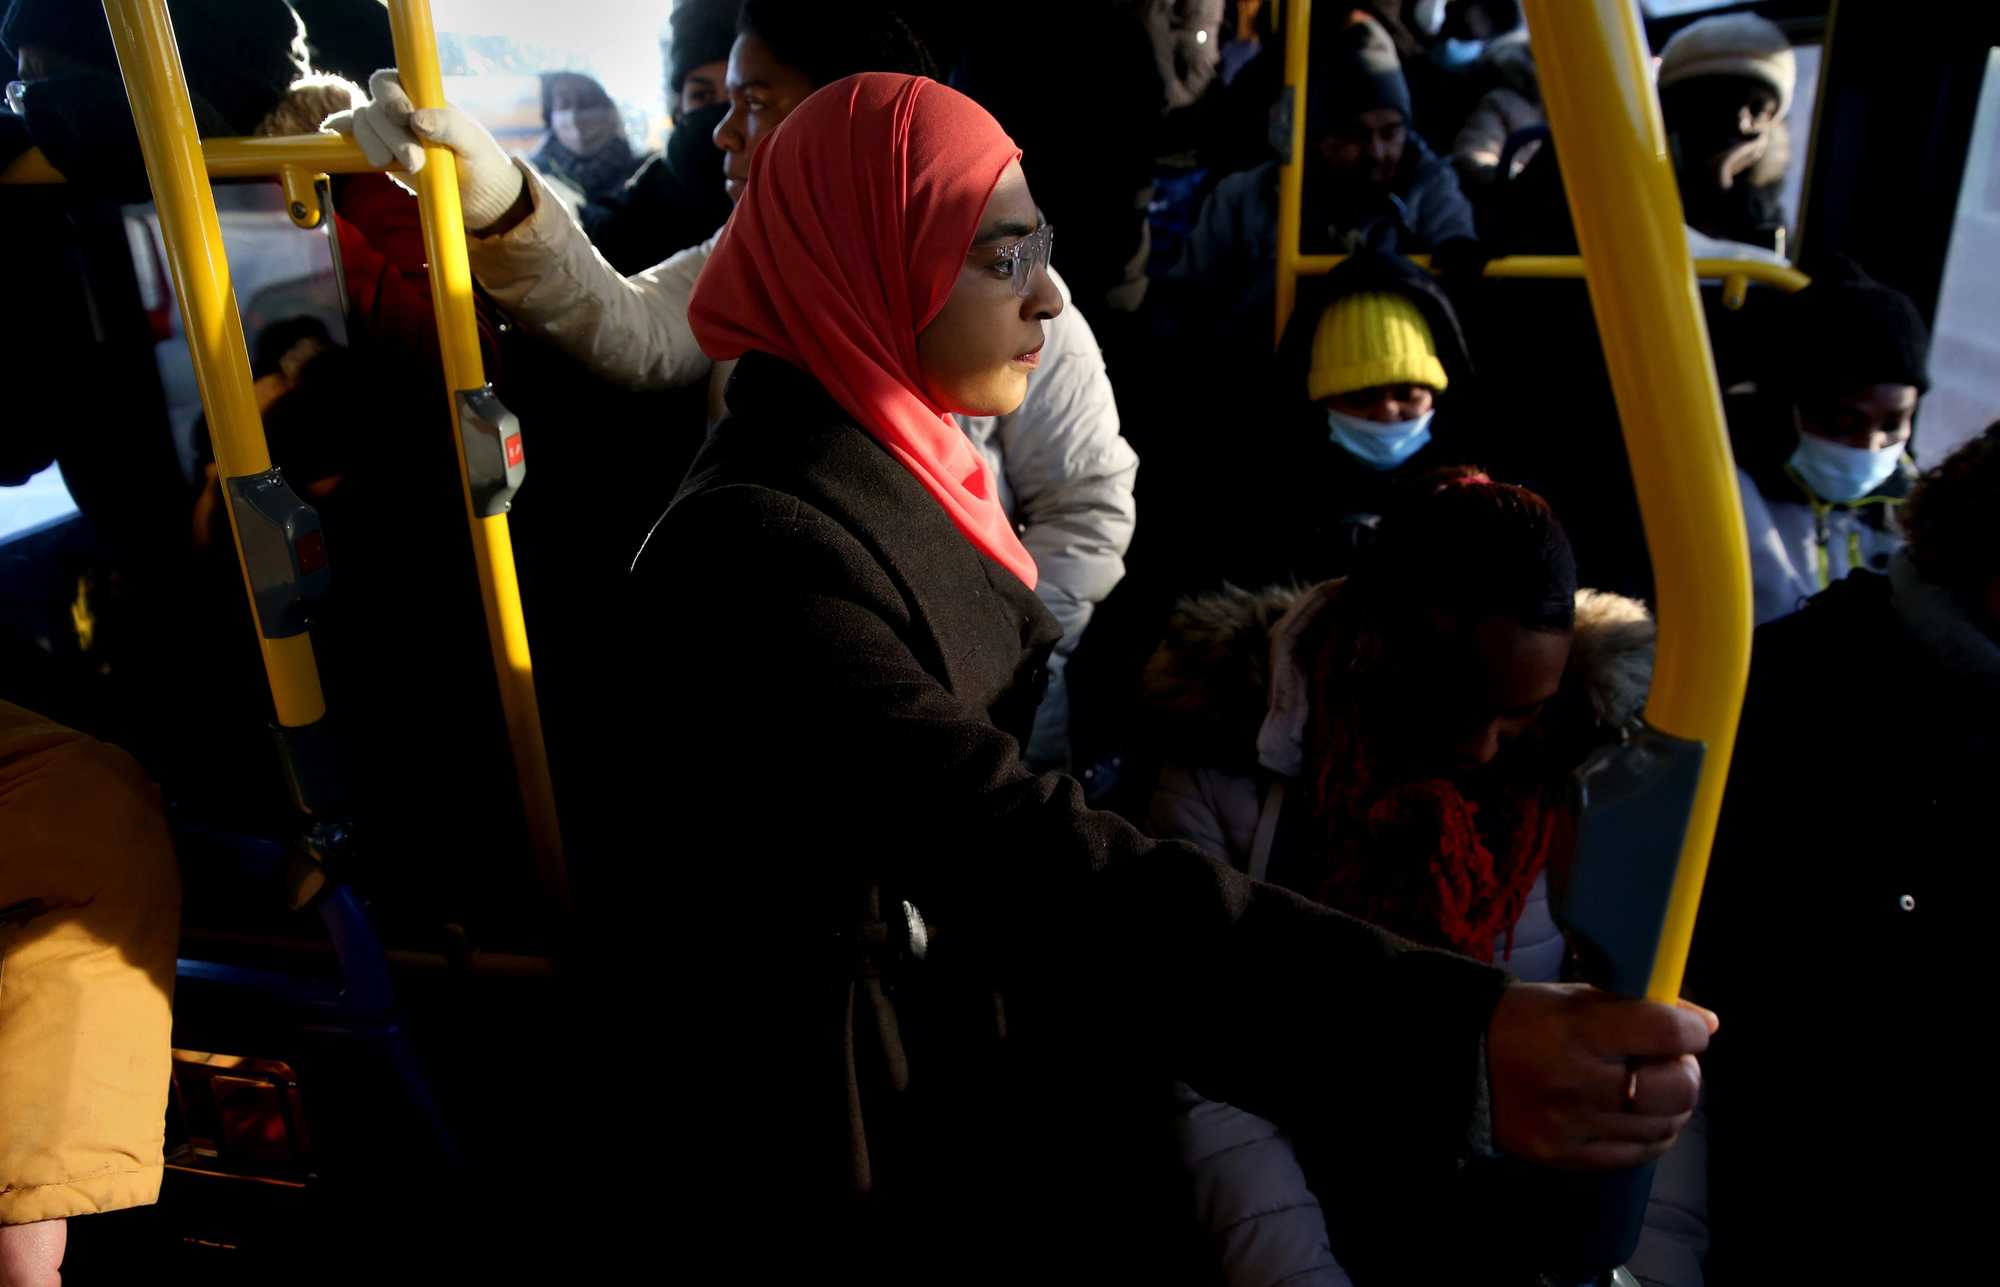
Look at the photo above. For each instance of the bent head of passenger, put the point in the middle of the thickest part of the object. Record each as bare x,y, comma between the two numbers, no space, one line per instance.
1725,83
699,33
1459,621
1853,361
1434,767
1376,374
1359,107
786,49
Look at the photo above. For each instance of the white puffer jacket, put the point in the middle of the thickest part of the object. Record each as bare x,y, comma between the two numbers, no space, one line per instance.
1065,473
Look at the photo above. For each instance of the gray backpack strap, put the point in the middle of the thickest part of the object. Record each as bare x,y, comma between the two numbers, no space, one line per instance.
1267,830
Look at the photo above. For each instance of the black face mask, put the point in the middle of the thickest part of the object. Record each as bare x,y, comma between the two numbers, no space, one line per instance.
82,121
691,150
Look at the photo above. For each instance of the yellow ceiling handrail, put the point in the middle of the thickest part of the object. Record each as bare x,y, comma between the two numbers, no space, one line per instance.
1737,275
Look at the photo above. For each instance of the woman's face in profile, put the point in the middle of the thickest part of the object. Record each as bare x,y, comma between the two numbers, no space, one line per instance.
976,355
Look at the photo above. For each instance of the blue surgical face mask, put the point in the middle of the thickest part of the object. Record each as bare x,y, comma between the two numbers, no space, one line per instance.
1453,52
1377,445
1837,472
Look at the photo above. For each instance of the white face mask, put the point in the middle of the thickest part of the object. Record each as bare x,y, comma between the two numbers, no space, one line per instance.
1837,472
1377,445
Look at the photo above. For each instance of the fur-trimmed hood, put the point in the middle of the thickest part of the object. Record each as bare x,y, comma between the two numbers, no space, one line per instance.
1225,689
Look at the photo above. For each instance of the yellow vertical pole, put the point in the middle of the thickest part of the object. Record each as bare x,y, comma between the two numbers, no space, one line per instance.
1597,87
1292,174
464,369
151,62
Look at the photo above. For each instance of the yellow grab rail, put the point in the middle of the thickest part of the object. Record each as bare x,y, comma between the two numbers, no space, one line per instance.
1627,209
1292,174
299,162
151,63
1736,275
465,371
180,168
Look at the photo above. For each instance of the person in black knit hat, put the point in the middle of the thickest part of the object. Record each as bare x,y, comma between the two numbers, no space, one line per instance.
242,58
675,200
699,33
1823,446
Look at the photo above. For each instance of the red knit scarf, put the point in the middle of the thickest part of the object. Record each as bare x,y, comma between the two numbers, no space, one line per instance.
1423,859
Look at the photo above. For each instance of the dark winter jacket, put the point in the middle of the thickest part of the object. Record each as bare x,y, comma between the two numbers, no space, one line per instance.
926,987
1231,256
675,200
1846,912
1230,699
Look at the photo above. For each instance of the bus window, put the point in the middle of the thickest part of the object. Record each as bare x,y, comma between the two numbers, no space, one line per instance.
278,272
494,54
1965,353
34,506
1681,8
1799,122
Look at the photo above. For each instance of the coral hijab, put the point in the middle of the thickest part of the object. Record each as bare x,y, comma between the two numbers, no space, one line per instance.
858,215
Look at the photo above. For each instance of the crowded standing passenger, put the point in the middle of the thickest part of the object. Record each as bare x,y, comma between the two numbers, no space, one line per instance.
1822,444
1858,828
1725,85
1398,744
674,201
586,147
960,973
1057,462
1366,366
1370,181
1512,103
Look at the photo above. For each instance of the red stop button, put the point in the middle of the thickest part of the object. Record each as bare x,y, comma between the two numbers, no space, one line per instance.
515,452
310,550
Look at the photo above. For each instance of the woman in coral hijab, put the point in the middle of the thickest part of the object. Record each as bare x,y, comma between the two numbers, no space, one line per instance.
929,995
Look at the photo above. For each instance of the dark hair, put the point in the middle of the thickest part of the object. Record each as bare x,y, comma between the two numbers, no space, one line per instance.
280,338
594,92
1952,519
1459,544
828,41
699,32
1505,15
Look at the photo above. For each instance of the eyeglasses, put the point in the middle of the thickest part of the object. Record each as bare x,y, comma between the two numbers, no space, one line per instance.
1026,259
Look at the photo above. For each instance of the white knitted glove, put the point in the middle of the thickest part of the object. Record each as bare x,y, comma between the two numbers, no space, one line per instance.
391,130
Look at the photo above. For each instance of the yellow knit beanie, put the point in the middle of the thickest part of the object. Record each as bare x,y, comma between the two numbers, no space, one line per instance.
1372,339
